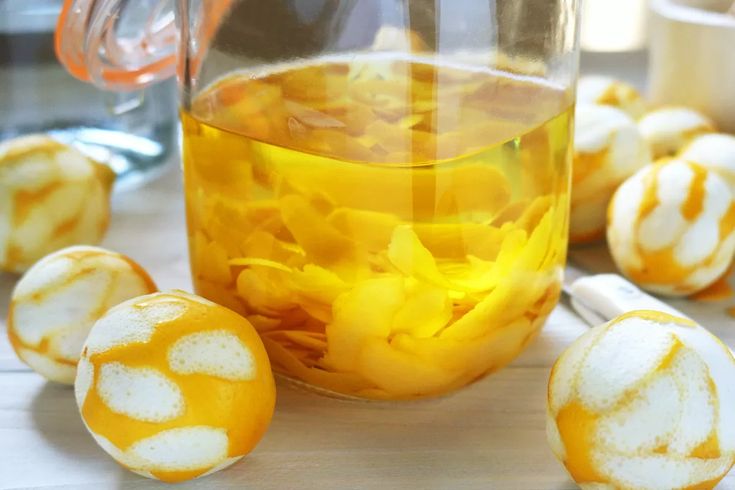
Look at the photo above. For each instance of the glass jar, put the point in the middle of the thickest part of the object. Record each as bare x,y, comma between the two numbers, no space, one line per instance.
380,187
134,132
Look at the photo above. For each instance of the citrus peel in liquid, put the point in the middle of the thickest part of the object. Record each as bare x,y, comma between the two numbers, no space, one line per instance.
393,228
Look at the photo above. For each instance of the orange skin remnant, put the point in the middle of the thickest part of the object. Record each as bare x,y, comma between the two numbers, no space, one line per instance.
657,317
709,449
705,485
727,224
617,95
586,164
577,426
717,291
693,206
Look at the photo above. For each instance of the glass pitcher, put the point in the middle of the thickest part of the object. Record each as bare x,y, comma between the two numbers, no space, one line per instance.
134,132
380,186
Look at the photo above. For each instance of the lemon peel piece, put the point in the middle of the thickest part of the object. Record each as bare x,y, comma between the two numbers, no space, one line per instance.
400,373
262,288
408,255
337,382
316,289
248,261
426,310
323,244
366,311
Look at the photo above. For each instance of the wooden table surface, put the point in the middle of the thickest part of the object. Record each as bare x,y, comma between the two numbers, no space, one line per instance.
490,435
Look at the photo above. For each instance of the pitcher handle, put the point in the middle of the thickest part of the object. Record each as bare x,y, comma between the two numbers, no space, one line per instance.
102,42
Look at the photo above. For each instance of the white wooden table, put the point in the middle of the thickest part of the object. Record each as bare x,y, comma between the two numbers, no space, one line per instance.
490,435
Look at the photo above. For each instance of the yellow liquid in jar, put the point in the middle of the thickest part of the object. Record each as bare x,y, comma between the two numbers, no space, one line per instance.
393,228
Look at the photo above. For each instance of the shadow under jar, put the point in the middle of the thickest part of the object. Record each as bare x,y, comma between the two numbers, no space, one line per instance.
380,187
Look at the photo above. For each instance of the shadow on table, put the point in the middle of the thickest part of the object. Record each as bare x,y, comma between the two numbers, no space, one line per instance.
57,419
464,440
7,282
8,360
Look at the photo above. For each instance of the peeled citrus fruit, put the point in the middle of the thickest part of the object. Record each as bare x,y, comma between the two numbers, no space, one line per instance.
644,402
51,196
602,90
671,227
58,300
716,151
608,148
668,129
173,386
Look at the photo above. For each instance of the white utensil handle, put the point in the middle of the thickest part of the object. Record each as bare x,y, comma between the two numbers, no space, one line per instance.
602,297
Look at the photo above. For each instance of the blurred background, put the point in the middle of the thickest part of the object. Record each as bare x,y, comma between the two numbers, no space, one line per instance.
613,39
134,133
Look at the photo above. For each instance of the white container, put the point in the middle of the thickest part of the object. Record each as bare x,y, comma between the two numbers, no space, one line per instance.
692,57
613,26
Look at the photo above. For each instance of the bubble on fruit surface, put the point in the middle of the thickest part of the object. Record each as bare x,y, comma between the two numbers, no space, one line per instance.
660,413
152,367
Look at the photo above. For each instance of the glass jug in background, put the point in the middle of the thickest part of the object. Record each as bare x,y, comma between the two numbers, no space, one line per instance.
134,132
380,186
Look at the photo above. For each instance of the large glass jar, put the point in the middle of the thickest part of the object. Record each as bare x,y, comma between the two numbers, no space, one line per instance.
380,187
